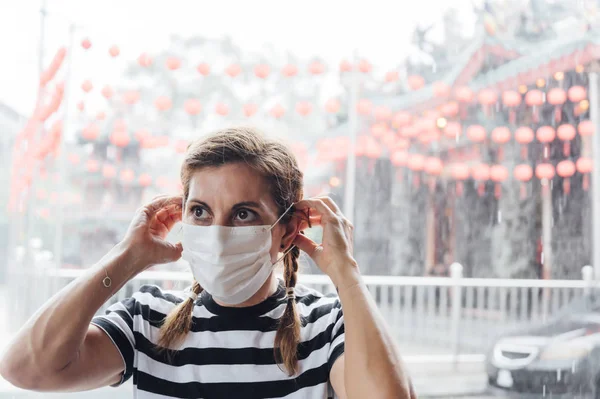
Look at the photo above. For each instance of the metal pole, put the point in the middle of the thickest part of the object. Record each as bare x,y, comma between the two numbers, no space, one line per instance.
62,156
350,187
595,205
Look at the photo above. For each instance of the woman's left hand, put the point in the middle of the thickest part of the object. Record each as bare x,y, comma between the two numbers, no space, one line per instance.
334,256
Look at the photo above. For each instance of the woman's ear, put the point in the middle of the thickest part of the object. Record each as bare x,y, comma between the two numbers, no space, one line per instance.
292,229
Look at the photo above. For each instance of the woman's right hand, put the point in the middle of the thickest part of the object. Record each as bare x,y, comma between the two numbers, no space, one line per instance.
145,238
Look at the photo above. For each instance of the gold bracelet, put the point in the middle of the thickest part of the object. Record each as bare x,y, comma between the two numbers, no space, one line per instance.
106,280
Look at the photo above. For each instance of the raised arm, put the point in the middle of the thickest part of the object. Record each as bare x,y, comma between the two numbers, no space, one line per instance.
58,349
371,366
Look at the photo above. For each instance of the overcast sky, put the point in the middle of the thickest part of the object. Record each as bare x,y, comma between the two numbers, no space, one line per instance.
378,29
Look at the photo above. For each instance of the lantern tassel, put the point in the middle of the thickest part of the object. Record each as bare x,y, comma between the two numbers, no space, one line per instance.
432,184
523,191
481,189
536,114
500,154
567,148
524,152
586,182
497,190
557,114
416,180
512,116
459,188
567,185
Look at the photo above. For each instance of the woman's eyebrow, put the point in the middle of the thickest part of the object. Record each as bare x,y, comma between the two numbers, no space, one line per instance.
248,204
201,203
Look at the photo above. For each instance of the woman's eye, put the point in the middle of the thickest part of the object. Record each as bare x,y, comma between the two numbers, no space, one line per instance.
198,212
245,215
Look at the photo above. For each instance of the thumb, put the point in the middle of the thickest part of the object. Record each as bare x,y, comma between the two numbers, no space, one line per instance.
171,252
307,245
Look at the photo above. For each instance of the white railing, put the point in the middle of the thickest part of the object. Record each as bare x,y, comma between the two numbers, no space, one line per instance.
460,315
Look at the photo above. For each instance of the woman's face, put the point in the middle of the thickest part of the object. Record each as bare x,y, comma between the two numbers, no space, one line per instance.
236,195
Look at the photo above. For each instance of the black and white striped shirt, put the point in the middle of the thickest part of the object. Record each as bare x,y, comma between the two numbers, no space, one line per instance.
229,351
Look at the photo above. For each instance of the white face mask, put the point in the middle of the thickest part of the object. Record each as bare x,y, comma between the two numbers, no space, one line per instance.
230,263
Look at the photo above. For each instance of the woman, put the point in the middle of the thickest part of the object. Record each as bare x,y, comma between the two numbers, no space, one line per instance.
238,332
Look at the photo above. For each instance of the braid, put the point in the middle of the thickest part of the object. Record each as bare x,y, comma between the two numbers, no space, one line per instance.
179,322
287,337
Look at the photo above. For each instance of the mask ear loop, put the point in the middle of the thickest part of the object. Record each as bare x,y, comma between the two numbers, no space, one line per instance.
273,225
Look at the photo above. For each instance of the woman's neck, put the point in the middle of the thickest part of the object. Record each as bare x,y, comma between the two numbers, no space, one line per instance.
268,288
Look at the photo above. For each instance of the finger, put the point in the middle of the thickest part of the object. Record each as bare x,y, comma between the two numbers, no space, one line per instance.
331,204
162,202
314,221
170,252
314,203
169,216
307,245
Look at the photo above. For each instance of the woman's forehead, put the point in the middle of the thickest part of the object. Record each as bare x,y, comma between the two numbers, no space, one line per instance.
228,185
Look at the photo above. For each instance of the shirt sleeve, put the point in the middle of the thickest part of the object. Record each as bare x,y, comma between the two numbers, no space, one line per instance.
336,347
117,323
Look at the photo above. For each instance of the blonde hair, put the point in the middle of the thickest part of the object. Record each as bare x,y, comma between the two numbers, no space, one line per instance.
277,164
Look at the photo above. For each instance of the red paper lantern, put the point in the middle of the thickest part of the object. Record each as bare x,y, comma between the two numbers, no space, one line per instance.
524,135
222,109
92,165
399,158
373,149
250,109
544,171
100,116
450,109
163,103
585,167
364,66
557,96
464,94
566,133
131,97
433,166
459,172
87,86
345,66
586,128
364,107
262,71
487,97
289,70
577,94
127,176
501,135
119,138
145,180
107,92
203,69
409,131
534,98
173,63
332,106
476,133
383,113
81,106
401,119
114,51
192,106
277,111
316,68
416,82
379,129
90,132
142,134
86,43
304,108
546,134
144,60
109,171
233,70
453,130
566,169
498,174
481,173
392,76
511,98
441,89
523,173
